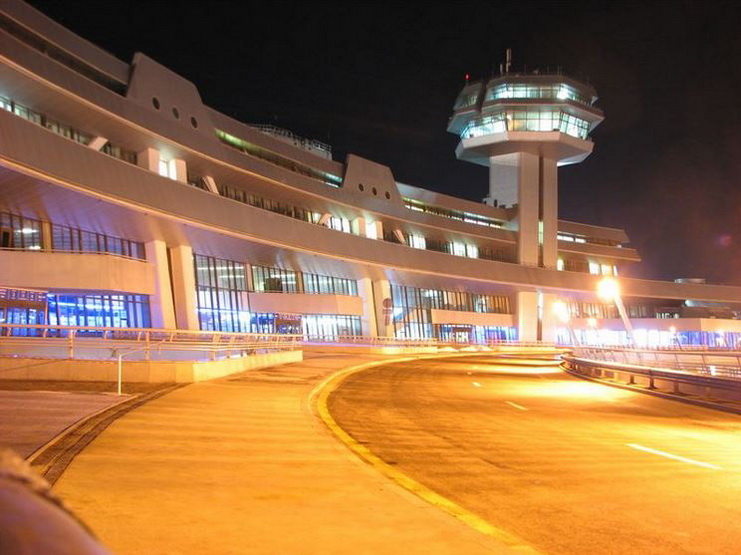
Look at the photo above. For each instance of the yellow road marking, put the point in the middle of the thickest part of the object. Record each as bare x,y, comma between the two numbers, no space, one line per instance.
319,397
675,457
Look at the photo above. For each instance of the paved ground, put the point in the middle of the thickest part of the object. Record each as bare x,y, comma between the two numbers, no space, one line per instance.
567,465
241,465
29,418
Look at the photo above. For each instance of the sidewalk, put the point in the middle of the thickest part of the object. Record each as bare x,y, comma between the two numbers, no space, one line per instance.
241,465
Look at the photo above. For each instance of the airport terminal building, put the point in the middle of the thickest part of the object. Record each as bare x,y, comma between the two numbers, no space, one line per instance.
126,202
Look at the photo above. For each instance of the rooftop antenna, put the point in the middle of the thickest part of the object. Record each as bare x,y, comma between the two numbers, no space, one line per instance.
508,63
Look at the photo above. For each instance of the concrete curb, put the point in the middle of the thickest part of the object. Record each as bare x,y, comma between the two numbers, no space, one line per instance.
318,401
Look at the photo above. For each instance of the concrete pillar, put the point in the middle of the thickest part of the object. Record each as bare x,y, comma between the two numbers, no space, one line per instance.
96,143
46,241
549,213
528,188
374,230
381,292
181,171
503,177
149,159
549,321
358,226
160,304
527,315
184,287
368,325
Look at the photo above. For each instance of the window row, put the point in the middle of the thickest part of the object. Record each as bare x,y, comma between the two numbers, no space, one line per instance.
274,158
558,91
459,215
527,120
19,232
70,239
289,281
64,130
404,298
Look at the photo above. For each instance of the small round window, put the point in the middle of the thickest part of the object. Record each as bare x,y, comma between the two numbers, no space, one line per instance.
194,123
176,113
374,191
388,195
361,187
156,103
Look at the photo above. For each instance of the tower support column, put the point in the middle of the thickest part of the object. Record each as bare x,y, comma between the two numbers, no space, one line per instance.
549,213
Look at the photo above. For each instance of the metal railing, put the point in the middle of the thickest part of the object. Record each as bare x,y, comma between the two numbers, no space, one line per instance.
726,364
101,343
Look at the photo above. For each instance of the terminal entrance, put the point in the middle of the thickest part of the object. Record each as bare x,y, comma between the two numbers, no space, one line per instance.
22,306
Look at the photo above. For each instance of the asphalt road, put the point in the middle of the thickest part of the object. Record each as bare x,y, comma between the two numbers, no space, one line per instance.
567,465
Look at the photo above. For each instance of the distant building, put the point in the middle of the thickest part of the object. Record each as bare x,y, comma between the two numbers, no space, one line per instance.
126,202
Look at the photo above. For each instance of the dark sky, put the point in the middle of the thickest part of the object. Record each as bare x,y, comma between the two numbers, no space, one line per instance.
379,80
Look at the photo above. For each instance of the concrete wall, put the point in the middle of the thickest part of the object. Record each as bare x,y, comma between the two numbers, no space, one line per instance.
68,271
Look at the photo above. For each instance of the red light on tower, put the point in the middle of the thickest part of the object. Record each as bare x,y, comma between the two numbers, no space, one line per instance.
468,77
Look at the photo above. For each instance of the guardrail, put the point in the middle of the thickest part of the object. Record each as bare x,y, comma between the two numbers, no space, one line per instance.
701,362
147,344
709,389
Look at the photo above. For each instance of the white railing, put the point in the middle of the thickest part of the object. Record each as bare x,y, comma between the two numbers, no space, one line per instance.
100,343
722,364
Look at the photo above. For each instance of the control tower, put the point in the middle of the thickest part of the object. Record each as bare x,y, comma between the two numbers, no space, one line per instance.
523,126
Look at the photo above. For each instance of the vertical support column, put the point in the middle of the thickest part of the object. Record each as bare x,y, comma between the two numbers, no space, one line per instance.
160,304
368,325
528,209
381,292
149,159
184,287
46,242
549,321
527,315
549,213
358,226
181,171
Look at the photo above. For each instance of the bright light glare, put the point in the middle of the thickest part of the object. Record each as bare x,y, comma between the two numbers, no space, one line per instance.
561,311
592,322
608,289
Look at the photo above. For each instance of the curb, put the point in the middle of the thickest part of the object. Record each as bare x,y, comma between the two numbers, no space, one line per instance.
318,399
52,459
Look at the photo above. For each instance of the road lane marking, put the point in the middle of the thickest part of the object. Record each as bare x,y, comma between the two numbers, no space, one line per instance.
675,457
519,407
476,384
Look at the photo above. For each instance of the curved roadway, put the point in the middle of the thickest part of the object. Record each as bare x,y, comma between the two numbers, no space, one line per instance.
567,465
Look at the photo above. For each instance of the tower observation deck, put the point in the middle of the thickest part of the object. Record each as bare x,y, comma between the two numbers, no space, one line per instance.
523,126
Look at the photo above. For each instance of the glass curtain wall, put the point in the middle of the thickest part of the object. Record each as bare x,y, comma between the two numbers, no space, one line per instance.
110,311
412,308
221,291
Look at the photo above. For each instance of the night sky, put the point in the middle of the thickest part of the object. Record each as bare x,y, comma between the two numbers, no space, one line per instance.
379,80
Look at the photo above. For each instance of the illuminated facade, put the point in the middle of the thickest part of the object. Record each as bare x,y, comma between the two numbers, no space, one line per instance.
126,202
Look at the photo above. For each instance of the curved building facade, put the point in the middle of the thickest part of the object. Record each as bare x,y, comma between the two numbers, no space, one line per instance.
126,202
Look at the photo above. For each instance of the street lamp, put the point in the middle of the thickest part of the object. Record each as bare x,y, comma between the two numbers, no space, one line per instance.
608,289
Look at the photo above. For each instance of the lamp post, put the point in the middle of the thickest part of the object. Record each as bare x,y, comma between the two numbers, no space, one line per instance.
609,290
